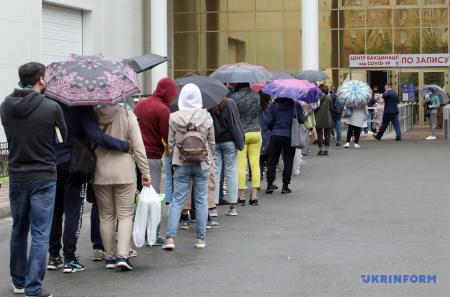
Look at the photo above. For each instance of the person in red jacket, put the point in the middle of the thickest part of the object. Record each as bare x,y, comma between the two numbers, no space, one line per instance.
153,116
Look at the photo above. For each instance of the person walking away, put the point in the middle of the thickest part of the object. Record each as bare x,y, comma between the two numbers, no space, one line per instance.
265,103
71,188
32,123
115,183
279,121
432,104
247,103
324,121
337,108
229,138
357,121
390,114
191,141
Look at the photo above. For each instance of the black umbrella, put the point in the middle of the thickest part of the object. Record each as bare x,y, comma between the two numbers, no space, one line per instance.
146,62
311,75
241,73
213,91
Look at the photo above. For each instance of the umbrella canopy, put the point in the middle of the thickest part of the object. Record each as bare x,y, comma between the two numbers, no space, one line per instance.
90,80
212,90
281,75
295,89
146,62
440,92
241,73
354,93
311,75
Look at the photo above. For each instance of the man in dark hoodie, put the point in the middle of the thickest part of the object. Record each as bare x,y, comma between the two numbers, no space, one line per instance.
153,116
70,190
32,125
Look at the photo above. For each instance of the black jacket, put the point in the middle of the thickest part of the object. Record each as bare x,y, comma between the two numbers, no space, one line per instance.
29,120
390,102
227,125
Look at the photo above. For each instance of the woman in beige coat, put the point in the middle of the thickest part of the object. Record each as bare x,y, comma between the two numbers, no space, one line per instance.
115,183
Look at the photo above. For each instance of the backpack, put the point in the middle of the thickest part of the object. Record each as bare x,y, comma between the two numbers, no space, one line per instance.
193,146
338,105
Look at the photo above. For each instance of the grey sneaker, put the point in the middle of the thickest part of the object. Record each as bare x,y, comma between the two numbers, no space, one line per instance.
42,293
98,255
231,212
213,213
212,225
200,243
169,244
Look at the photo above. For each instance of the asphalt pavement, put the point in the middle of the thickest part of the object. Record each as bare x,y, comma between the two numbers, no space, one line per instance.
381,210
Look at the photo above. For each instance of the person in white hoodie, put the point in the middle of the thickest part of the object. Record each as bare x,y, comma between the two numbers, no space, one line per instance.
190,114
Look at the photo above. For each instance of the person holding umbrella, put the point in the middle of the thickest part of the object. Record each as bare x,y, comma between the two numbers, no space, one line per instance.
324,121
357,121
432,103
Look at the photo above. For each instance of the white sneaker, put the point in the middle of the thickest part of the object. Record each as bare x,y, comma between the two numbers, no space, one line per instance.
431,138
213,213
17,290
347,145
357,145
200,244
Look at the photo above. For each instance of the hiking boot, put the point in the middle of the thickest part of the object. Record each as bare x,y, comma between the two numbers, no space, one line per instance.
124,264
42,293
169,245
55,263
110,262
98,255
72,266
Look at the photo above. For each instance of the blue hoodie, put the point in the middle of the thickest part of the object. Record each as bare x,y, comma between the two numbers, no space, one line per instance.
281,113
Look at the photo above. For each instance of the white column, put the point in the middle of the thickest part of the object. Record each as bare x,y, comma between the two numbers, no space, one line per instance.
310,34
159,37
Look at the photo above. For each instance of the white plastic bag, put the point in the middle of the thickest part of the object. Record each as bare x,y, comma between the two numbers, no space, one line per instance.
141,217
154,217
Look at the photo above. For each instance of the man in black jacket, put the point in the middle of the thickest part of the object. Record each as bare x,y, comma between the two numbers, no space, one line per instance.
32,125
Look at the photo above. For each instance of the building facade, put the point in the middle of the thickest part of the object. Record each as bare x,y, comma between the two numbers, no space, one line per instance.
209,33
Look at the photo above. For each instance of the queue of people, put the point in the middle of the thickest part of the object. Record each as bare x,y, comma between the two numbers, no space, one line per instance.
246,134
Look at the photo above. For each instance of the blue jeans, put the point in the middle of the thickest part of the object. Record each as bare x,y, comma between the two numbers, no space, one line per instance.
337,123
226,156
182,178
31,208
96,237
168,188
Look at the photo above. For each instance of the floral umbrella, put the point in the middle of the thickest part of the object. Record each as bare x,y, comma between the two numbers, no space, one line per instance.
354,93
90,80
299,90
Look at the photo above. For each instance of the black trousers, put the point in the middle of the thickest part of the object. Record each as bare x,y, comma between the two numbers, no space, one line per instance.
390,118
280,145
353,131
321,134
70,194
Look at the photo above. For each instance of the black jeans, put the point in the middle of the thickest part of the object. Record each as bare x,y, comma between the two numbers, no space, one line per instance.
353,131
262,164
390,118
280,145
96,237
320,137
70,194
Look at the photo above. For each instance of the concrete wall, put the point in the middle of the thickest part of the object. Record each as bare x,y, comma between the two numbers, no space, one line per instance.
116,28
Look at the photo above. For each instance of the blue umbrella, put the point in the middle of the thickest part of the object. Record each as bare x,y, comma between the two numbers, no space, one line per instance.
354,93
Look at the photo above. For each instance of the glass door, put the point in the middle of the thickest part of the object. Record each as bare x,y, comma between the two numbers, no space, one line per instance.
409,92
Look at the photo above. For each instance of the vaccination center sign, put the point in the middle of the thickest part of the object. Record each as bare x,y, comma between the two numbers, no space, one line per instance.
382,61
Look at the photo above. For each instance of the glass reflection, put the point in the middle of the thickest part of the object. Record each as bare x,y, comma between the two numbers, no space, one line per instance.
328,19
214,22
269,5
380,18
407,18
213,5
435,40
407,41
186,22
379,41
351,42
352,19
292,51
241,21
186,47
269,21
407,2
328,47
435,17
379,3
270,54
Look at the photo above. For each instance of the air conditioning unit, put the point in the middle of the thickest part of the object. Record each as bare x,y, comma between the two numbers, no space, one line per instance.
447,121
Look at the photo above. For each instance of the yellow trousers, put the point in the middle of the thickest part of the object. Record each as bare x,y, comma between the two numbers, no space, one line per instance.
250,154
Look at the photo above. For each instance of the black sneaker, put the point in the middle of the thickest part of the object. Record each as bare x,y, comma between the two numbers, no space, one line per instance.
124,264
271,188
325,153
73,266
42,293
110,263
286,190
338,144
223,202
55,263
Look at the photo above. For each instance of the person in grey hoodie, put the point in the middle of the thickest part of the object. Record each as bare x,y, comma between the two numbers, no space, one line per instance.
190,113
33,124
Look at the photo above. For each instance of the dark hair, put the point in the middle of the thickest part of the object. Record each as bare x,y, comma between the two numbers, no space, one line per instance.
30,73
220,107
264,100
324,89
241,86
